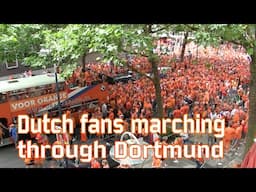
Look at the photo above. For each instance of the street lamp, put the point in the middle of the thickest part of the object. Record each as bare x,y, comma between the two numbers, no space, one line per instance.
44,52
57,88
56,70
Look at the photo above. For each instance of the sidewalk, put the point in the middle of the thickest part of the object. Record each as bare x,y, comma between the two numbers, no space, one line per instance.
234,156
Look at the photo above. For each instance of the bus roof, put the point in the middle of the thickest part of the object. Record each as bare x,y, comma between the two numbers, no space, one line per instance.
28,82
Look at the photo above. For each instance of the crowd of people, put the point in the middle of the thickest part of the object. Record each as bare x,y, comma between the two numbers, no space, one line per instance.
214,85
211,82
94,72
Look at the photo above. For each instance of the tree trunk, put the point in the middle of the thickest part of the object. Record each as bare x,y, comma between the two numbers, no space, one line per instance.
84,61
252,102
154,60
156,82
184,47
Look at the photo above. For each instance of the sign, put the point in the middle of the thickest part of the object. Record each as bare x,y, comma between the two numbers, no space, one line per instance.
36,102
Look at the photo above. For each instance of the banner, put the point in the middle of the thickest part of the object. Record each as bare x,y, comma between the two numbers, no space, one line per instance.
36,101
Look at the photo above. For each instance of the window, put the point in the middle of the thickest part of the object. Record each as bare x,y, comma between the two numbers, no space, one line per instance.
3,98
12,65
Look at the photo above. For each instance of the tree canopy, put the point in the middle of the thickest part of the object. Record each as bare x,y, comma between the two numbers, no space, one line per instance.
48,44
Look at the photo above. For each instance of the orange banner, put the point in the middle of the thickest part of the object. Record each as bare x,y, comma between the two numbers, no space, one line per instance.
36,101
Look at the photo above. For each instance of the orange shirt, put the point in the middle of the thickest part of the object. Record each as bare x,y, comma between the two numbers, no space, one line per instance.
68,114
27,161
1,132
184,109
229,133
147,105
177,113
156,163
242,115
236,117
83,137
111,115
238,132
178,141
170,102
95,164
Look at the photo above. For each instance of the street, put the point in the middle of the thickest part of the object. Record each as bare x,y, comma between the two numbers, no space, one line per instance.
9,158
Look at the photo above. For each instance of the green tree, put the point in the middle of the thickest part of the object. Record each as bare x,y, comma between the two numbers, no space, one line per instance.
23,42
66,44
45,45
241,35
186,29
112,41
72,42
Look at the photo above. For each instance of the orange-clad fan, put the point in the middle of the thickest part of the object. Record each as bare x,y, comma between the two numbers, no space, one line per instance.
95,163
156,163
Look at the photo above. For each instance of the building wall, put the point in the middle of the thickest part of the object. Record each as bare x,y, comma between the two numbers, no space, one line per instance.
21,68
7,72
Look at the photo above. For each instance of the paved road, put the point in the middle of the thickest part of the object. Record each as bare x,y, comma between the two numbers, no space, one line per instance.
9,158
169,163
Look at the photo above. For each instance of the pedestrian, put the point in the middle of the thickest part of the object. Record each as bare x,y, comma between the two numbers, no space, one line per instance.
13,134
95,163
105,164
156,163
1,136
185,138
